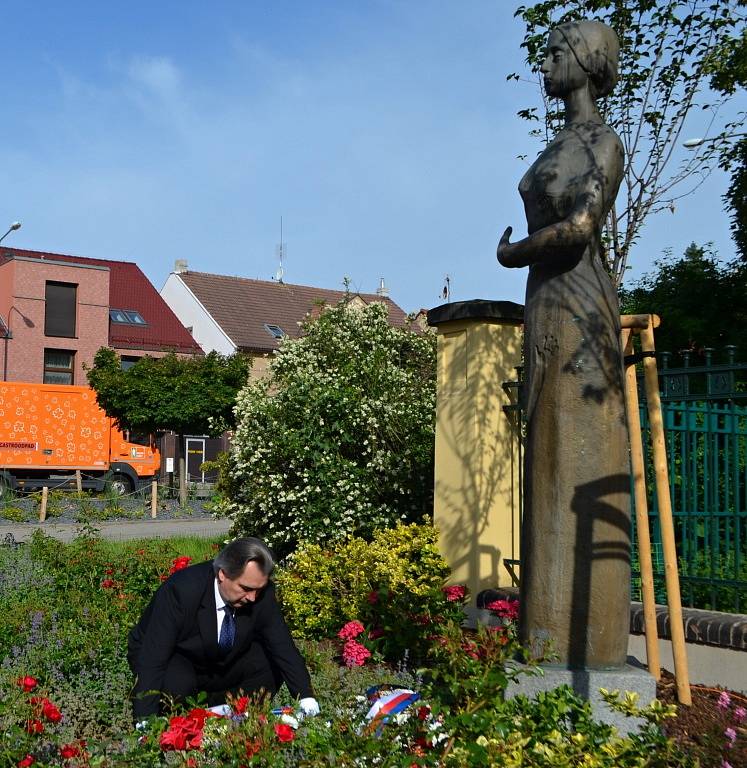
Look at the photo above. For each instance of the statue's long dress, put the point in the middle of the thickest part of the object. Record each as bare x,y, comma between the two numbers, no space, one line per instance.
576,534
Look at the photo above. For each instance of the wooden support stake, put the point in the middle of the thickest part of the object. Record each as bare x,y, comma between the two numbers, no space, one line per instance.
43,507
641,510
154,498
671,573
78,481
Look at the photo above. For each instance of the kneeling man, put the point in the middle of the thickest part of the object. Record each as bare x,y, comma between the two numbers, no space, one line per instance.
216,627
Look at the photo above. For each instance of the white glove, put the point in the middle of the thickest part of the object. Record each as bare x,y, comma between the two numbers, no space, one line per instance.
309,707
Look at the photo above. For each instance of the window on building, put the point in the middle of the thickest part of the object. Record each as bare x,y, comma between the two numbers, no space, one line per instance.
126,362
59,366
135,317
60,309
275,331
126,317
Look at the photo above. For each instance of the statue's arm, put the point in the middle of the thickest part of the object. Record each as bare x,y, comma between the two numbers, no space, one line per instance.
566,239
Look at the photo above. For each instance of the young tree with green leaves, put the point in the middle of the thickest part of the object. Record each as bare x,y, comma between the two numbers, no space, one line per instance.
730,77
338,438
669,50
188,395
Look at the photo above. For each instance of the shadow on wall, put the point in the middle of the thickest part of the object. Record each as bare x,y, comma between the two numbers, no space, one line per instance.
477,444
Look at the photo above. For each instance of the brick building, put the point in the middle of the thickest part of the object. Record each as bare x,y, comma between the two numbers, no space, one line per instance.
56,311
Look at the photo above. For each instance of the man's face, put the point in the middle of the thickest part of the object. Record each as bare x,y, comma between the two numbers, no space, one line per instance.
243,589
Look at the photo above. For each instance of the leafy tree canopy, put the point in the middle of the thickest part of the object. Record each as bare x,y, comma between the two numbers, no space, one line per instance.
187,395
729,77
338,438
702,302
669,51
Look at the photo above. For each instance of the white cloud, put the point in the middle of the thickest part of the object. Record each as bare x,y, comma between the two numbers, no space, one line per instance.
157,73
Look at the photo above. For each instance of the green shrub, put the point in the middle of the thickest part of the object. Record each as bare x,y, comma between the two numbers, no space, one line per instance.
337,439
392,584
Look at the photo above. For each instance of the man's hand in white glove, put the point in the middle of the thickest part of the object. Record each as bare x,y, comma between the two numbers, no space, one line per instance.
309,707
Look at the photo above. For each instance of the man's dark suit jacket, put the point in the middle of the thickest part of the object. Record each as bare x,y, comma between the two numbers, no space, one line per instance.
182,618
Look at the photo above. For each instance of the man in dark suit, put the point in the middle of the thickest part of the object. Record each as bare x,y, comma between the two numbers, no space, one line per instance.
216,627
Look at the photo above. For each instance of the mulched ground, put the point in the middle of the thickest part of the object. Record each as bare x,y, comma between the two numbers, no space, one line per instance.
700,728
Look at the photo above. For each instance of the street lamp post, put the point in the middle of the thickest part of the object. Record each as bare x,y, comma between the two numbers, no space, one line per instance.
8,335
695,143
12,228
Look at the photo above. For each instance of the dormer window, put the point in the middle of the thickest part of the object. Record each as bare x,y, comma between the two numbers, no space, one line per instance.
275,331
126,317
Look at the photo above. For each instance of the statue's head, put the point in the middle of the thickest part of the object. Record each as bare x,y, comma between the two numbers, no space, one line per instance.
581,50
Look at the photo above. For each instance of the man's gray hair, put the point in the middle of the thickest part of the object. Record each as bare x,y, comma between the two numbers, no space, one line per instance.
232,559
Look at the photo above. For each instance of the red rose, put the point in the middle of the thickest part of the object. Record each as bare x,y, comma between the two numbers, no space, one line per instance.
240,705
253,747
69,750
35,726
107,583
51,712
284,732
27,682
183,733
26,762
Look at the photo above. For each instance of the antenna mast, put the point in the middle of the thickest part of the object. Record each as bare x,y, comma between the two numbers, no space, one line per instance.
280,252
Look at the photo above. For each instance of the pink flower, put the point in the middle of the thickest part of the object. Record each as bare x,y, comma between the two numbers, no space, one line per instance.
739,714
354,654
351,630
724,701
455,593
725,764
731,735
506,609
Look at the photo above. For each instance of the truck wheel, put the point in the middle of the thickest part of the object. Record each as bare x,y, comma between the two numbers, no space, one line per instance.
121,484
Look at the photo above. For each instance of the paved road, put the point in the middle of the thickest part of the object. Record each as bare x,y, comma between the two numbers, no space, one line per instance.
129,529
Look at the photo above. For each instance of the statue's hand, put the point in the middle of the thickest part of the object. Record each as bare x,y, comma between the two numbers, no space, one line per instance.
503,245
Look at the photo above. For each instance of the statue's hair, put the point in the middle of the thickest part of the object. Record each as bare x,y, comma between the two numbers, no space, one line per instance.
596,48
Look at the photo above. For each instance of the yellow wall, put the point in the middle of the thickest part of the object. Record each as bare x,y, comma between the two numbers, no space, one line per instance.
477,472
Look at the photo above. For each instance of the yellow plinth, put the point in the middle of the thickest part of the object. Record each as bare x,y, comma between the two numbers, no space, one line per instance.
477,472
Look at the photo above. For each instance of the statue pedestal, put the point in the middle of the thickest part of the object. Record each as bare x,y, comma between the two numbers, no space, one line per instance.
586,683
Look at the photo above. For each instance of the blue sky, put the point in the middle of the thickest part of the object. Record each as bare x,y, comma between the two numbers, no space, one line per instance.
384,133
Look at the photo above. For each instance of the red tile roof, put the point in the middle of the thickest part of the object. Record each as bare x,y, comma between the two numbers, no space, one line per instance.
129,289
242,306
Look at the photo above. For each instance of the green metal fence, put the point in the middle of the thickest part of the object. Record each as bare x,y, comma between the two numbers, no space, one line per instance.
704,406
705,419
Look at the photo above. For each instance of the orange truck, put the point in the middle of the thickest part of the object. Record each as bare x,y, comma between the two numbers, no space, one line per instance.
48,431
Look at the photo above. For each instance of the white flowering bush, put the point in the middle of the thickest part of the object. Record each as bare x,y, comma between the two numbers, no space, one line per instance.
338,438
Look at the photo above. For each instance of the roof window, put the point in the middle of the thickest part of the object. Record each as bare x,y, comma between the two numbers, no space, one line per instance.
126,317
275,331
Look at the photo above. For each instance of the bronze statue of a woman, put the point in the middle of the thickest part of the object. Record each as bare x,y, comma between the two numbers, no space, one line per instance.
575,575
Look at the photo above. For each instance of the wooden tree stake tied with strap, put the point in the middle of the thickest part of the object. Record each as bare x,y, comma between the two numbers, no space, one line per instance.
644,325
